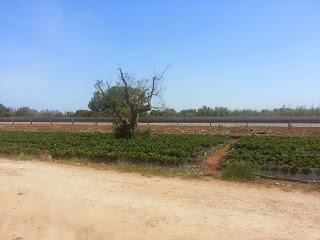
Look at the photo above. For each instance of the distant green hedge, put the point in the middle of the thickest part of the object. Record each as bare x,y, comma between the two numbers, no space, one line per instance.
164,149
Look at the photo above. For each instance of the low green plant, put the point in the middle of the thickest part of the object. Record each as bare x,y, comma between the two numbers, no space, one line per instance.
159,149
289,154
240,171
144,133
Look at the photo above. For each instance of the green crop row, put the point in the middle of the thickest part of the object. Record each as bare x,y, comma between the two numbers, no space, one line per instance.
165,149
289,154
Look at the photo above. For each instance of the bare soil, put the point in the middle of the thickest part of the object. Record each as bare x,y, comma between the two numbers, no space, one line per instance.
214,159
40,200
232,131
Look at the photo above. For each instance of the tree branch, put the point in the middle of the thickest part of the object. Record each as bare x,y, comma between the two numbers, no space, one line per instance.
128,99
99,86
155,79
124,81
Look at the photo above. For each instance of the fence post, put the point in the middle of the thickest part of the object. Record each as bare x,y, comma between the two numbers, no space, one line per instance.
12,121
210,122
30,121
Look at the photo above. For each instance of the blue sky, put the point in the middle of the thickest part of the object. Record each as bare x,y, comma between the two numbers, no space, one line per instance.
238,54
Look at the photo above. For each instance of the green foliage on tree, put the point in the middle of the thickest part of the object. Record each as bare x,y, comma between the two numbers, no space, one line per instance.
188,112
167,112
4,111
26,112
127,100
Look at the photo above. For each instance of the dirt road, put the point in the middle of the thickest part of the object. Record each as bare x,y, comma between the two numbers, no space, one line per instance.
51,201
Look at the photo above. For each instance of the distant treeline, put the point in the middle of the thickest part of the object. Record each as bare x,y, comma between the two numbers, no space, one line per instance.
32,113
26,112
223,111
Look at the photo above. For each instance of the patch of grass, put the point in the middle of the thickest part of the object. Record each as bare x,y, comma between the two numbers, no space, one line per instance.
148,169
240,171
74,160
42,156
24,156
145,169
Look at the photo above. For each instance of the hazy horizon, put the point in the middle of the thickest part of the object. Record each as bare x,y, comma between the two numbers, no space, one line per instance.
240,55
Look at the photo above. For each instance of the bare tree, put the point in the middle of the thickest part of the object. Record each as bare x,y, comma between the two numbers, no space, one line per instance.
127,99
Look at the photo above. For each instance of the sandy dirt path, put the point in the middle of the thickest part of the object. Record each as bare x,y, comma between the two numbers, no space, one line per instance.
52,201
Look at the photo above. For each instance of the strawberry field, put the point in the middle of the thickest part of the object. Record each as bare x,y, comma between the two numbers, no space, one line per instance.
164,149
288,154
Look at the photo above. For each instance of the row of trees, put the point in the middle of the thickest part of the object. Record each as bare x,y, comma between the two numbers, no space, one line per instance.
223,111
163,112
32,113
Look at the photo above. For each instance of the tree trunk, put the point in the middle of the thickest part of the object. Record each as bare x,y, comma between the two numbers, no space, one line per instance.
134,121
126,127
